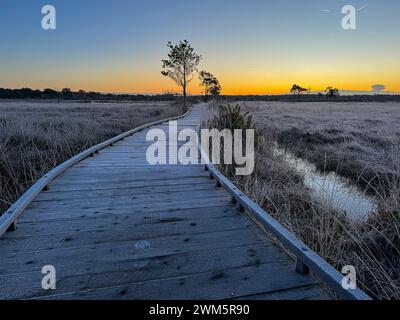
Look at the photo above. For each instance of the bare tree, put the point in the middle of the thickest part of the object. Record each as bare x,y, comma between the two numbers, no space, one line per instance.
181,63
210,83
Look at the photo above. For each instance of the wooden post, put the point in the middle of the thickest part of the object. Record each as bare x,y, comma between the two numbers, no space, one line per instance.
301,268
218,184
46,188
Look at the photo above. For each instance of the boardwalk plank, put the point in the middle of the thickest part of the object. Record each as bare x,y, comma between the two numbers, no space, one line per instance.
129,199
165,221
222,284
78,224
127,184
84,276
160,245
120,233
137,190
86,212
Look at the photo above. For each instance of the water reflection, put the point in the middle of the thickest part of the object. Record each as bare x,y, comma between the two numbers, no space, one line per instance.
331,188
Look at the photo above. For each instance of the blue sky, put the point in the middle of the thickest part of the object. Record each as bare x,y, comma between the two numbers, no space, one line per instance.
258,46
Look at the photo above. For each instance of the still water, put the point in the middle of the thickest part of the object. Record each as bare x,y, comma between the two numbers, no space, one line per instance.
331,188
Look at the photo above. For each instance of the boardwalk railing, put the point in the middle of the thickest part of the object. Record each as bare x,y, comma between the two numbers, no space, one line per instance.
9,218
306,259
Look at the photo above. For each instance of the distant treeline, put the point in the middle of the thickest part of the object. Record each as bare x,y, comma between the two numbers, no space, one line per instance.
68,94
316,98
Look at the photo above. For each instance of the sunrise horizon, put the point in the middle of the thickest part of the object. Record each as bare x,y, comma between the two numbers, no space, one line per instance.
226,92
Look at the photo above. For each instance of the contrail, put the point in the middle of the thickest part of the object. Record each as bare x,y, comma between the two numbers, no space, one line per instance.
363,7
360,9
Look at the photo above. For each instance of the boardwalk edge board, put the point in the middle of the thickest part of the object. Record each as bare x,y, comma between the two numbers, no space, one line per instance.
9,218
306,260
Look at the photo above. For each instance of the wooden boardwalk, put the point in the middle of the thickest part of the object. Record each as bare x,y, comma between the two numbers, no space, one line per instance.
115,227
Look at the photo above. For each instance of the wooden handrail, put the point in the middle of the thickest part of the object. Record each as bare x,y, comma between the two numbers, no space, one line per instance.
9,218
306,259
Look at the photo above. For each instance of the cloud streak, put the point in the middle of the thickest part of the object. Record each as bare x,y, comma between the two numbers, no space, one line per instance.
378,87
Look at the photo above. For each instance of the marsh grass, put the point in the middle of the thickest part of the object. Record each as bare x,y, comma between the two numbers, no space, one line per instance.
359,141
36,137
372,246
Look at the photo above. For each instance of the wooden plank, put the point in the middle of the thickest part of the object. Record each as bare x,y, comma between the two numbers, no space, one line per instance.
253,253
203,185
197,219
93,275
65,187
117,177
115,191
123,181
217,285
135,201
87,212
121,232
24,261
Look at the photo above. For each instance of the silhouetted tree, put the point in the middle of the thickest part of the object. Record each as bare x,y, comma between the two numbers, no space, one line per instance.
181,63
66,93
210,83
332,92
297,89
50,94
215,89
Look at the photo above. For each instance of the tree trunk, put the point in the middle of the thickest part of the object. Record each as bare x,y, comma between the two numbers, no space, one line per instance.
184,98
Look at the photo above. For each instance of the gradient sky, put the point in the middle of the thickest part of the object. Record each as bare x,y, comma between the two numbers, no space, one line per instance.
252,46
